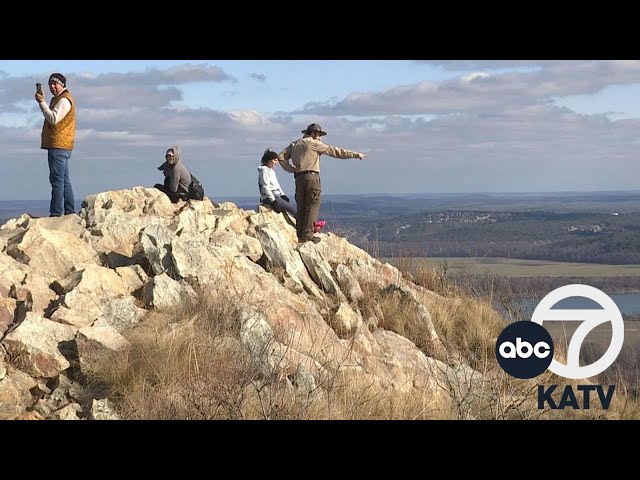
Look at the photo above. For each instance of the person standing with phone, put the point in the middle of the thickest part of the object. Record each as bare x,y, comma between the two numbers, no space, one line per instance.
58,137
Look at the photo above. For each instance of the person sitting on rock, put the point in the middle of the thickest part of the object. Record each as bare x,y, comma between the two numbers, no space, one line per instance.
271,193
176,176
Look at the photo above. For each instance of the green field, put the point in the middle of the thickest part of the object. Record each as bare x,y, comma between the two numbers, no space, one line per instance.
510,267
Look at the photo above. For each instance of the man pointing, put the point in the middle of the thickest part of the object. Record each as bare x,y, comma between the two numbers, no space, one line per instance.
305,156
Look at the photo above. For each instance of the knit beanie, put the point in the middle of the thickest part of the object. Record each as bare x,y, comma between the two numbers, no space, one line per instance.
59,79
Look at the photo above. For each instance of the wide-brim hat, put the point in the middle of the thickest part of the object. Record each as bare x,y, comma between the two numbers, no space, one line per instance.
314,127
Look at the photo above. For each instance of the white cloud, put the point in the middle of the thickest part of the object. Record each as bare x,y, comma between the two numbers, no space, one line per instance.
473,76
248,118
150,88
479,92
457,65
479,131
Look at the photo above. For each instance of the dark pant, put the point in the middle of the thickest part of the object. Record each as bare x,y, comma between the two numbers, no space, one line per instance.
61,191
281,205
308,189
173,196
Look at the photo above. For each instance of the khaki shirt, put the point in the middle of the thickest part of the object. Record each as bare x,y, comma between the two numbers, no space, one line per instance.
305,155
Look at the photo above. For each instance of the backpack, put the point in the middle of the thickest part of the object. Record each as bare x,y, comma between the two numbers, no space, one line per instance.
196,190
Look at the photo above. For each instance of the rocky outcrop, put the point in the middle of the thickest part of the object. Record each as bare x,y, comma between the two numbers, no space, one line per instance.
71,287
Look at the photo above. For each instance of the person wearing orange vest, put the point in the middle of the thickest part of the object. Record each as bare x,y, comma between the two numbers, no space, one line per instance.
58,136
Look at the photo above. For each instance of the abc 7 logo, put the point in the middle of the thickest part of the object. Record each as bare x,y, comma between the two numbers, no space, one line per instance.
525,349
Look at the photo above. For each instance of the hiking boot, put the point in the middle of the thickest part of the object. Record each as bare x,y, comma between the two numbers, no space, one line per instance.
313,239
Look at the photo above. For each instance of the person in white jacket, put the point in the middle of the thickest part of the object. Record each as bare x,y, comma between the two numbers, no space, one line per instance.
271,192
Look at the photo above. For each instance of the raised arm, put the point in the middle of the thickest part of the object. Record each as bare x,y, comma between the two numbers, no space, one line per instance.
58,113
335,152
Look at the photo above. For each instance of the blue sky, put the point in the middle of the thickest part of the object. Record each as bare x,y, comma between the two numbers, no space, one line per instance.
426,126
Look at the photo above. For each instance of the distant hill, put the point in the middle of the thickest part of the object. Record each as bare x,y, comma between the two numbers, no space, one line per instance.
598,227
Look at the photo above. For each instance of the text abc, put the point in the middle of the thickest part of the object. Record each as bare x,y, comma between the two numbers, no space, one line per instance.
524,349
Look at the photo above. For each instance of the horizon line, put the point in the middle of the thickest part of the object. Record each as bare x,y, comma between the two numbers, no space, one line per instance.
384,194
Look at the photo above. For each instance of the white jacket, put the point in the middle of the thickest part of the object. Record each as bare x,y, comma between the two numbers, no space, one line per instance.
268,184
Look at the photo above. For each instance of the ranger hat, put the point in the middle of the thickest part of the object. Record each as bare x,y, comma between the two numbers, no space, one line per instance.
314,127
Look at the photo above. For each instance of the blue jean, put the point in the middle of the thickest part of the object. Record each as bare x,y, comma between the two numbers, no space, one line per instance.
61,191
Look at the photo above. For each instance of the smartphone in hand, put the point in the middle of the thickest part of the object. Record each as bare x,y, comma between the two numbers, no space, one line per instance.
39,88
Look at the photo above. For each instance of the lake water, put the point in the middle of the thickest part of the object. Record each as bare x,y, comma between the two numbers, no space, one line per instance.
628,303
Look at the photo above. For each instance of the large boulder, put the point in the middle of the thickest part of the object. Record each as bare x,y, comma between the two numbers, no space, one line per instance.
35,344
52,252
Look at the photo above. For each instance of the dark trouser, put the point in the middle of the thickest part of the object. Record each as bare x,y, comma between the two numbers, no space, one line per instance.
173,196
308,189
61,191
281,205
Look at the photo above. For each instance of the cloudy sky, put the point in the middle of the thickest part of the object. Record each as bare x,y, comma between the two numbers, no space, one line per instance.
426,126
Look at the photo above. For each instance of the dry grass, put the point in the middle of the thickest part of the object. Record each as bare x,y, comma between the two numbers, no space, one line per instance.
358,397
169,353
419,272
191,364
469,328
487,393
625,404
496,289
467,322
399,314
388,310
467,325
